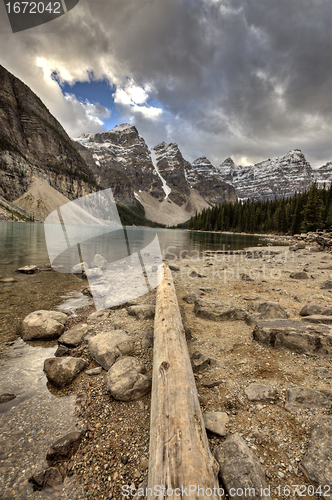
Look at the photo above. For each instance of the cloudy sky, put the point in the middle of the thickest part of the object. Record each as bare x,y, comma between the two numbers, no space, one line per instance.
250,79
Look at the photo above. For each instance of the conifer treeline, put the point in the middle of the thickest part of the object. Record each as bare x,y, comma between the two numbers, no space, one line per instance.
302,212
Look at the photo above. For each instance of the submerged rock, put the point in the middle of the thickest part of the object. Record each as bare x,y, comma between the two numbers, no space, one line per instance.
62,371
65,447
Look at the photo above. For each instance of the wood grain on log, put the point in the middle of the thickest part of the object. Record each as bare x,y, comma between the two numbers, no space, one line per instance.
180,459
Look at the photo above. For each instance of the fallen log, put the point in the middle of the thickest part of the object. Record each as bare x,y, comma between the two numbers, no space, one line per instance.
180,460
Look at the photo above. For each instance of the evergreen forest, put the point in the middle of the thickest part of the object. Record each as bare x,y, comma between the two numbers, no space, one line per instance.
302,212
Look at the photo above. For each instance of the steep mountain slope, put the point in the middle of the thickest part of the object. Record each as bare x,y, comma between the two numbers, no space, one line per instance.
277,177
40,200
34,144
206,180
323,175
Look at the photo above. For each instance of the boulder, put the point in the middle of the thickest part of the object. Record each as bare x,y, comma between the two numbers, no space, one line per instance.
80,268
107,347
304,397
47,479
28,270
62,371
299,276
218,311
74,336
65,447
240,469
99,261
318,459
43,325
326,285
215,422
126,379
95,272
266,310
296,336
319,319
260,392
142,311
310,308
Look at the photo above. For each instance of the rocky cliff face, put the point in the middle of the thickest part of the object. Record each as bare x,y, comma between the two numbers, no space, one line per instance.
324,174
277,177
120,159
34,144
206,179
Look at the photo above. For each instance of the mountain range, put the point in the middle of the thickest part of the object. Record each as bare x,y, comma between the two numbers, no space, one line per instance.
41,167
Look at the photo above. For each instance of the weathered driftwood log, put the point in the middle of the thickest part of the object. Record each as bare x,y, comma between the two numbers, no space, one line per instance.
180,459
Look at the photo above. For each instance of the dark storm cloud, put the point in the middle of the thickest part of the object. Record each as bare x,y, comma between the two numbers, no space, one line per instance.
247,78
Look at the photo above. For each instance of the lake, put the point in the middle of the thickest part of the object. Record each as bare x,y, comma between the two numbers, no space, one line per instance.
31,421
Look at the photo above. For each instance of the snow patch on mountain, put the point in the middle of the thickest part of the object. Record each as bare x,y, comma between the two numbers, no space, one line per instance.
166,188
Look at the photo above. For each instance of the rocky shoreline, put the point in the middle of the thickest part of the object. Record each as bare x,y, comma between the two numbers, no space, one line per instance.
261,356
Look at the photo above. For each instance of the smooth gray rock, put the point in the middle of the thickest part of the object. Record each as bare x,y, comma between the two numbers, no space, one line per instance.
296,336
266,310
142,311
318,460
74,336
260,392
65,447
326,285
77,269
215,422
106,347
299,276
126,379
218,311
240,468
319,319
310,308
174,267
304,397
94,272
99,261
43,325
62,371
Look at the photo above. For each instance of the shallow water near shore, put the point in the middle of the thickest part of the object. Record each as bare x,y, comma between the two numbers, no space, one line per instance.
36,417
